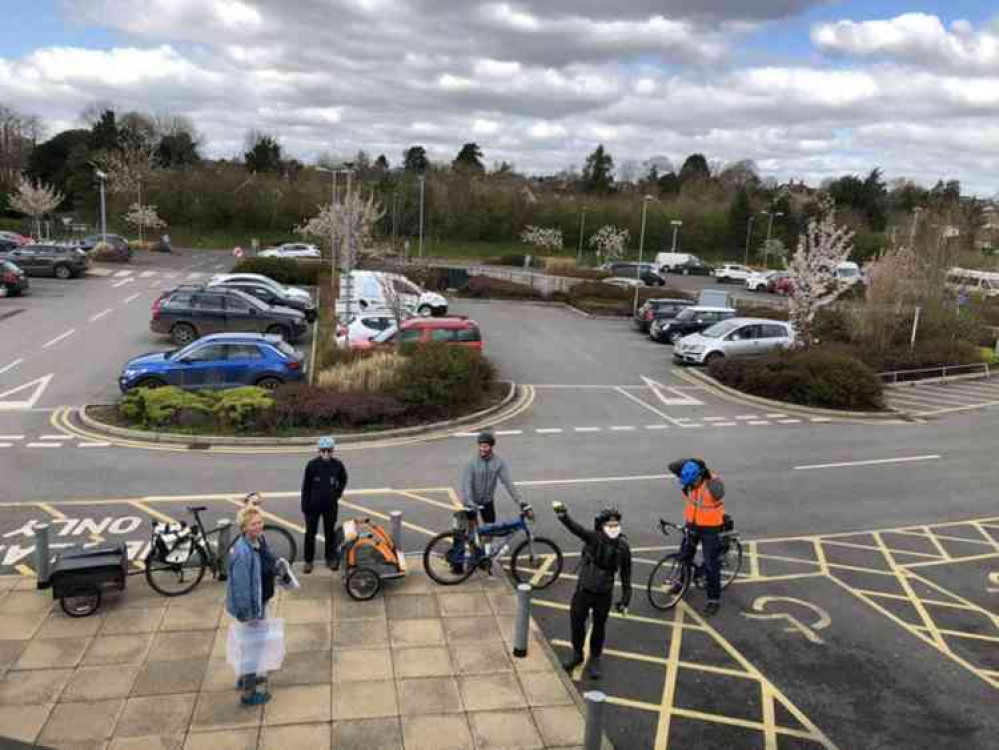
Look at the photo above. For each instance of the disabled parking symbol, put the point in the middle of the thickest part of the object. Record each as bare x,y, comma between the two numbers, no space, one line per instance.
993,579
820,621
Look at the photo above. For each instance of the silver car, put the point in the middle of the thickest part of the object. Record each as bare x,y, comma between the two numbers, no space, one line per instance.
735,337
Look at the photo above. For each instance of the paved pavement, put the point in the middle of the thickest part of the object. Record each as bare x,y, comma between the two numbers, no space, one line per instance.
421,667
938,399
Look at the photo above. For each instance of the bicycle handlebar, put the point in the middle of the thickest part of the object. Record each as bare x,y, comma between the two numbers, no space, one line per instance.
663,524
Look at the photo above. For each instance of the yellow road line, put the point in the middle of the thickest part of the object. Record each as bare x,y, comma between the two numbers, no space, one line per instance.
769,717
754,560
149,511
967,603
936,543
686,713
614,615
907,587
414,496
934,537
785,577
57,514
988,537
853,545
900,597
669,686
543,570
24,570
455,500
376,514
820,555
963,634
930,564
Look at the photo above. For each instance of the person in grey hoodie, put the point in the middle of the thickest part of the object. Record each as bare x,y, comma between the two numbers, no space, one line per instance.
481,475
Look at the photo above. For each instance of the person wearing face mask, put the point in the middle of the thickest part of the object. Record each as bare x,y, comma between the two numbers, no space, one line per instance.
605,554
322,486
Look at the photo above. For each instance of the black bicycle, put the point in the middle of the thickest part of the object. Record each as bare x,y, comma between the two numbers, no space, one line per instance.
673,575
180,554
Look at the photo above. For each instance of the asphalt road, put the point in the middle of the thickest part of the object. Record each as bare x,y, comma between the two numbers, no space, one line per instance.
884,636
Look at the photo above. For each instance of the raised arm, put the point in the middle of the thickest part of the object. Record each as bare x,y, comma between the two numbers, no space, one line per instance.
583,533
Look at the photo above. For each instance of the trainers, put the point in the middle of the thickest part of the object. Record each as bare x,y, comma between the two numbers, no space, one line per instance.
593,669
333,564
307,568
257,698
572,662
712,607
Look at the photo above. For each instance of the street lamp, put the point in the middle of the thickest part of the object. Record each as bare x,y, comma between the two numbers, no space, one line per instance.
676,224
104,218
423,181
749,234
915,218
641,249
770,227
582,231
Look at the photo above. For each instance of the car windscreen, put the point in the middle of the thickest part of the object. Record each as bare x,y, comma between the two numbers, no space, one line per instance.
720,329
847,272
285,348
688,313
384,336
248,298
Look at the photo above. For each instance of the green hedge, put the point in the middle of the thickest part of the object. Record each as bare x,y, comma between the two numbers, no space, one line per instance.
171,406
438,379
282,270
812,377
487,287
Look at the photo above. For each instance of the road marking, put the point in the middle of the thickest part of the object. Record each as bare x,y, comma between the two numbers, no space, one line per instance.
12,365
11,437
820,419
147,274
758,422
586,429
99,315
794,625
640,402
593,480
775,415
93,445
122,274
657,427
465,434
748,416
714,419
621,429
122,283
509,432
680,399
59,338
788,421
6,445
195,275
129,299
54,437
724,424
872,462
39,385
44,445
549,430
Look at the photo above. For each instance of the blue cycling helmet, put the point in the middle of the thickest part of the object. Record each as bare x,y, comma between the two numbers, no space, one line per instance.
690,472
326,443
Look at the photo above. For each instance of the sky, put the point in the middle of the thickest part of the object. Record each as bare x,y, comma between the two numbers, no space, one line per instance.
808,89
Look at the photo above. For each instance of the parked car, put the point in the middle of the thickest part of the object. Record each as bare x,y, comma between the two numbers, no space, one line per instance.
781,284
759,281
655,309
189,312
667,262
374,290
659,328
13,280
625,281
291,250
453,329
983,283
116,242
270,295
291,291
732,273
736,337
692,267
644,271
692,320
14,238
61,261
364,327
223,360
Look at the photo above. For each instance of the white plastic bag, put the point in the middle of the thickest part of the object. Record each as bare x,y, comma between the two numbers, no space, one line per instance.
256,647
285,576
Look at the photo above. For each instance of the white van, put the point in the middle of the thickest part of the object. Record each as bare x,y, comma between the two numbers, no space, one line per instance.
984,283
848,270
370,290
666,262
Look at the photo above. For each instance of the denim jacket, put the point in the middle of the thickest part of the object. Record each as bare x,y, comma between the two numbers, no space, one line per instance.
244,593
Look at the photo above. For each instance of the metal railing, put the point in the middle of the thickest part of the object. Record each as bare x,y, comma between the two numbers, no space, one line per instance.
941,373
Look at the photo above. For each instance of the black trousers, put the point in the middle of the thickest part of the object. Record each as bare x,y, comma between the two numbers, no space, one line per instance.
329,531
583,604
709,537
487,513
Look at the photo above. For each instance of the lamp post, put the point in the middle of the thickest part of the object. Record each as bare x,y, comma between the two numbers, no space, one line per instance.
641,250
749,234
423,181
138,187
915,219
104,218
676,224
770,228
582,231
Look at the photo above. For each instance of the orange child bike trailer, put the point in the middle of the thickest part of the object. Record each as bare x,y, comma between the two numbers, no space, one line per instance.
370,557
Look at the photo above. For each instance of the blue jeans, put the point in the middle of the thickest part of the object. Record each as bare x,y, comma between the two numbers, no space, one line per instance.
710,537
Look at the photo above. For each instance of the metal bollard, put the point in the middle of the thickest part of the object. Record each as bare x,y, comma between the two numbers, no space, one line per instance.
594,736
523,623
42,558
225,540
395,528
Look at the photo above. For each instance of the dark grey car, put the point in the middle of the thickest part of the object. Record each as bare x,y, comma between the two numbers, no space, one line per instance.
269,295
61,261
188,312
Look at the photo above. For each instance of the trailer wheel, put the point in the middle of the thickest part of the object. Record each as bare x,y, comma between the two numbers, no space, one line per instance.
82,604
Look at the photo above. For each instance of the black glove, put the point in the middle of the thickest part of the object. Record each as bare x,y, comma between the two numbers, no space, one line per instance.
559,508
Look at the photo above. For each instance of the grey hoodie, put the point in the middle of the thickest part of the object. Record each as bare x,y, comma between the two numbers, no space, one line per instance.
478,482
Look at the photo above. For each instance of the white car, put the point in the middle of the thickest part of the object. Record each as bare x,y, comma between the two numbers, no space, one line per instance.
621,281
759,281
375,290
732,272
365,326
291,250
292,291
735,337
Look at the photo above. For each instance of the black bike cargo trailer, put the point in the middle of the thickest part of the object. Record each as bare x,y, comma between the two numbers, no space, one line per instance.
79,576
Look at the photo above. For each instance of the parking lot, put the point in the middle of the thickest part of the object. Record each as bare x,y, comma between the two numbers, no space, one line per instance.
939,399
867,612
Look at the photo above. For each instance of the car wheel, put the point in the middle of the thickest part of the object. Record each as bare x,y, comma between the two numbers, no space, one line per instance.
63,272
281,331
713,357
269,384
183,334
150,383
675,337
425,311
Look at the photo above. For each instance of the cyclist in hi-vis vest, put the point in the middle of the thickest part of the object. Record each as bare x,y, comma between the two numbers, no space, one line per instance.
704,514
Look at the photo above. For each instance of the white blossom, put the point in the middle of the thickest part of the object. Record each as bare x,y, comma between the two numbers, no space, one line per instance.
610,241
545,238
35,199
144,217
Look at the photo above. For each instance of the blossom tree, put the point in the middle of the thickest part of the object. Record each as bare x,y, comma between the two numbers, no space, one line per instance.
812,270
544,238
36,199
609,241
144,217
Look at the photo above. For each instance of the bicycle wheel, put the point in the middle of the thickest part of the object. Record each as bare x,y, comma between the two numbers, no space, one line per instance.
81,604
536,561
668,582
362,584
281,542
730,562
174,579
449,558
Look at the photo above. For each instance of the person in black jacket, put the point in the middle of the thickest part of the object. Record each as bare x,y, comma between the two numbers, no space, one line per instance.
322,486
606,553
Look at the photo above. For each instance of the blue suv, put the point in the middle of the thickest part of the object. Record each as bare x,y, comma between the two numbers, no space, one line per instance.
223,360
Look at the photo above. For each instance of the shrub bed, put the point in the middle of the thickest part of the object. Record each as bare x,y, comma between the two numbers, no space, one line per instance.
608,299
815,377
750,310
487,287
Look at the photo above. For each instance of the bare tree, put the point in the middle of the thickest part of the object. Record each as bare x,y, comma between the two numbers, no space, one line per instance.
18,136
36,200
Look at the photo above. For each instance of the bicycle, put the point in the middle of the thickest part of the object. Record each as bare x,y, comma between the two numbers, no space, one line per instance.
452,556
180,554
672,575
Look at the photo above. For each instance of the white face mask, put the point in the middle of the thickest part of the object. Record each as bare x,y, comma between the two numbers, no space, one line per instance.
612,532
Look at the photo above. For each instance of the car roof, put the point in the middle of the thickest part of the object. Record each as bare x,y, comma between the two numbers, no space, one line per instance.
670,300
450,321
708,308
239,338
755,321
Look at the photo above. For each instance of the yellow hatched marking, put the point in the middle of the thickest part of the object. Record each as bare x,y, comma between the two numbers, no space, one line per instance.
989,538
967,603
935,538
543,570
669,687
962,634
661,661
150,512
277,519
769,717
820,555
900,597
935,541
55,513
915,600
932,563
452,495
785,577
24,570
422,499
752,552
376,514
614,615
854,545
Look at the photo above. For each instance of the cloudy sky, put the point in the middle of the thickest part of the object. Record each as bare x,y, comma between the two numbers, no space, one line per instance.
807,88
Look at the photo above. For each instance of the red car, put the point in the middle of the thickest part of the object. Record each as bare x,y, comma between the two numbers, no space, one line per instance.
452,329
781,284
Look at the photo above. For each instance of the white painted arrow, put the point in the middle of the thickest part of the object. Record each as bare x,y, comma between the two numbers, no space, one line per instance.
678,399
37,388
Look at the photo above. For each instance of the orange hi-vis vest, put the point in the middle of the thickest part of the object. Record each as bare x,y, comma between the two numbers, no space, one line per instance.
702,509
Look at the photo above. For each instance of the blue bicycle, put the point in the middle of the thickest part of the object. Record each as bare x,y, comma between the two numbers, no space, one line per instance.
452,556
